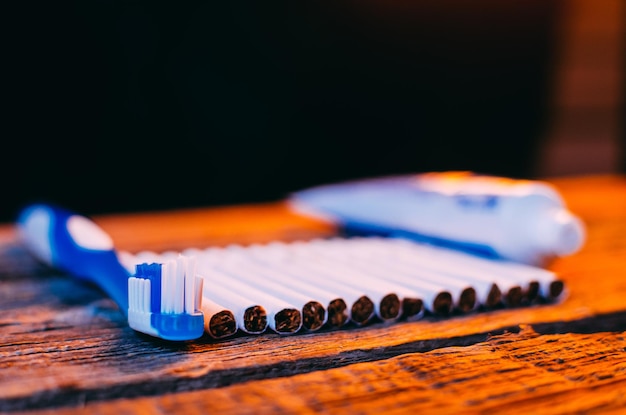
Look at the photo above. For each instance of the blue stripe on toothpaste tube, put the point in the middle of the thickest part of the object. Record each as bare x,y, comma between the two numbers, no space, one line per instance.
520,220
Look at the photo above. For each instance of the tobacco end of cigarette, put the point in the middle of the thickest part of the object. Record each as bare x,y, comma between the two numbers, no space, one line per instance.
222,324
556,288
255,319
313,315
337,312
532,292
288,320
362,310
467,300
412,307
494,297
442,303
514,296
390,307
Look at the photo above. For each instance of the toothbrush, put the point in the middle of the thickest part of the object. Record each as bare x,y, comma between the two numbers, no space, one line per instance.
161,300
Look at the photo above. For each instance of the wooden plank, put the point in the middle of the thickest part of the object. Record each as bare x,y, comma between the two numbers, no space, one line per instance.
77,346
508,373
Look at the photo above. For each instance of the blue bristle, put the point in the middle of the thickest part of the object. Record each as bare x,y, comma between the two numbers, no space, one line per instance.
151,272
155,287
139,270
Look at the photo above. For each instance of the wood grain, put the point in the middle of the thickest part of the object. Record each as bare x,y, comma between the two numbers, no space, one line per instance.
65,348
508,373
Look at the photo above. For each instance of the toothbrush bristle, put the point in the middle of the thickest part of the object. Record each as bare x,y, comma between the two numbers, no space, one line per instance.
171,287
168,285
154,276
164,299
147,287
190,285
199,287
137,289
179,293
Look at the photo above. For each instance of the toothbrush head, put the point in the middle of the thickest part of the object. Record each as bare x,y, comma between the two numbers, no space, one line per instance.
164,300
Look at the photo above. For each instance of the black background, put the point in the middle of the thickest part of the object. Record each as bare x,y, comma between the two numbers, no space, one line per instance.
126,106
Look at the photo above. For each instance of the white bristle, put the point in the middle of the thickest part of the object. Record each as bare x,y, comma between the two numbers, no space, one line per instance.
145,303
168,276
179,288
139,294
198,293
131,293
139,305
190,286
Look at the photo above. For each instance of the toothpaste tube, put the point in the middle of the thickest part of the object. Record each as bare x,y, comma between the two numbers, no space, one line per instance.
520,220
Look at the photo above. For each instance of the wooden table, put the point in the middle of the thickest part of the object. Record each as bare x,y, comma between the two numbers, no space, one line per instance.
66,348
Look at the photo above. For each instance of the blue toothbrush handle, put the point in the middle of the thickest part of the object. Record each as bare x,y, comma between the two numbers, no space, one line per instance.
75,244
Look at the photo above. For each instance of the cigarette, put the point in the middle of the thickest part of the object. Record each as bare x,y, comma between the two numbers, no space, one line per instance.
362,310
462,292
284,316
534,283
443,303
412,308
494,297
556,290
269,263
539,284
275,254
284,287
250,316
130,261
281,316
488,293
467,300
337,313
347,304
379,253
388,294
386,304
493,286
469,292
222,324
219,321
255,319
532,292
434,297
239,264
360,305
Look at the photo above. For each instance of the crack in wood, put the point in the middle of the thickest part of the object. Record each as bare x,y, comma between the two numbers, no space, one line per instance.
72,395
